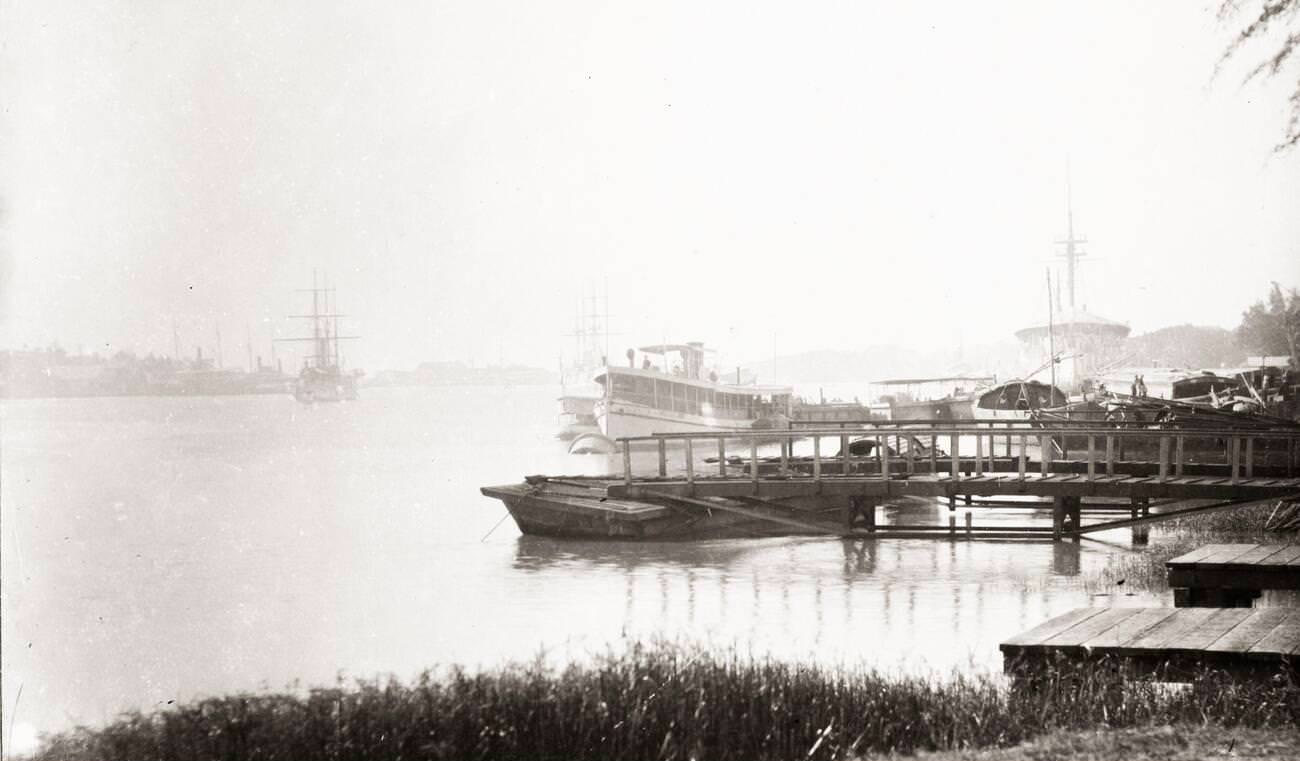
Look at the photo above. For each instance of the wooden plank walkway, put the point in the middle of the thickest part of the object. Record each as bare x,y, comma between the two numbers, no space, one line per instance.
1232,575
1173,642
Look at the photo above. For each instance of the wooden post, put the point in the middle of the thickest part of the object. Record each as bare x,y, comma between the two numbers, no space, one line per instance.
968,531
786,445
884,459
1178,455
1164,459
722,456
846,464
1024,447
1044,455
934,444
979,454
753,463
1234,453
817,458
1250,457
627,463
1058,518
911,463
690,464
1092,457
952,526
1110,455
955,471
663,458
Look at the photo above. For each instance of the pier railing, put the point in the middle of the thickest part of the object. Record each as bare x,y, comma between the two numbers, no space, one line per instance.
1095,449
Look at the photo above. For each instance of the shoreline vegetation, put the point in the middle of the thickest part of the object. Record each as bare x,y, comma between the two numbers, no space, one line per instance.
667,701
662,700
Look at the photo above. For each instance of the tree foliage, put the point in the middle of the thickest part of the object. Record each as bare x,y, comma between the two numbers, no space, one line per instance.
1274,24
1273,326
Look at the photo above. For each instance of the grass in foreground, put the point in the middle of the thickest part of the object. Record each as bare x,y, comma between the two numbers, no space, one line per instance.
665,702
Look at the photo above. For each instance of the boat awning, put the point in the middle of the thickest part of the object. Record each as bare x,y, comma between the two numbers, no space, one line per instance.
946,379
669,348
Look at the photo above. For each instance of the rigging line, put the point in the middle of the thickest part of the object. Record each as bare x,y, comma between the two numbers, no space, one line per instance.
494,528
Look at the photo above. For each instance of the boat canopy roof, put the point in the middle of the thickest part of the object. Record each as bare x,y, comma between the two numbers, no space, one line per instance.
670,348
728,388
942,379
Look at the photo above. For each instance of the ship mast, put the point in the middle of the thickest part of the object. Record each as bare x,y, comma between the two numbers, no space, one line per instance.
324,326
1072,251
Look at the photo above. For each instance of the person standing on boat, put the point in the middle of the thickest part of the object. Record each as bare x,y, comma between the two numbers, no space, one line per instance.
1133,387
1142,386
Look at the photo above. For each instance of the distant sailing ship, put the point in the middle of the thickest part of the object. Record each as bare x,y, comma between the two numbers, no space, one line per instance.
579,391
323,378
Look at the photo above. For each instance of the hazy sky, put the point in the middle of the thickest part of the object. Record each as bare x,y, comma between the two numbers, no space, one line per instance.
829,175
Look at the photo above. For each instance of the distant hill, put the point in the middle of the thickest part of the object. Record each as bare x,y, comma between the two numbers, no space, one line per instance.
1189,346
890,361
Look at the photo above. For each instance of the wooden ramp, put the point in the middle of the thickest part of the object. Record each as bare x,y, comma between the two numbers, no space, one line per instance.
1232,575
1172,642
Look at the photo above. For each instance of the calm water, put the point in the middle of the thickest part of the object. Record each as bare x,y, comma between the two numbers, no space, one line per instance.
157,549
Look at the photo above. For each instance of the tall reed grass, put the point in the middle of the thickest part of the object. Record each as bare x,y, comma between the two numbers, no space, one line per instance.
663,701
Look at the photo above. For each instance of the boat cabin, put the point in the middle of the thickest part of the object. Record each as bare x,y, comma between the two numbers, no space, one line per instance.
680,382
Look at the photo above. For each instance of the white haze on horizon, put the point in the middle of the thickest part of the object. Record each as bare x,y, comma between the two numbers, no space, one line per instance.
767,178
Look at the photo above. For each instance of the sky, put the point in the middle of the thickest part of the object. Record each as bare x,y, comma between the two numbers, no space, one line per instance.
764,177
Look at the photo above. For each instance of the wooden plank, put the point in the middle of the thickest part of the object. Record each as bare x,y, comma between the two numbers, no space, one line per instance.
1226,555
1171,628
1130,628
1201,636
1053,627
1256,554
748,513
1246,634
1197,554
1285,638
1282,557
1080,633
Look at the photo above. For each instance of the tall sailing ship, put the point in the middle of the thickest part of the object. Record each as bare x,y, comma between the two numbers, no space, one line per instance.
579,391
323,377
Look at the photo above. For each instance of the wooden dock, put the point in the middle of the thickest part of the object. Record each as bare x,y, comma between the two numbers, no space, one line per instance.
1232,575
1063,462
1171,643
1091,476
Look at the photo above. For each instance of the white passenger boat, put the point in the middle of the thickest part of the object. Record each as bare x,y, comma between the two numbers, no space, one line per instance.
672,391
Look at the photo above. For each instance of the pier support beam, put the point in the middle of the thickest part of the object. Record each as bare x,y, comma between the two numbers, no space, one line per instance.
861,513
1066,513
1140,508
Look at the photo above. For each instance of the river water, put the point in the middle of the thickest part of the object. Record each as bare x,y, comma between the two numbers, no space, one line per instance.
159,549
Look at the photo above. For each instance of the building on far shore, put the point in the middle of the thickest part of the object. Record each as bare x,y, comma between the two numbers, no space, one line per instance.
1086,344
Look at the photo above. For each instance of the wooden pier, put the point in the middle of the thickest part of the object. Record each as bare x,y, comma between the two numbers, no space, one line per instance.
1232,575
1144,474
1172,643
1091,476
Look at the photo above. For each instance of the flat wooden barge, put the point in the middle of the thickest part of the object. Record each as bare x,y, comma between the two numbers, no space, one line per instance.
1232,575
1173,644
